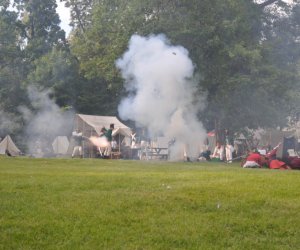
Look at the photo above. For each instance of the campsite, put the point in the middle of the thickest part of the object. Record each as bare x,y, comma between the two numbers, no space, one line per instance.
109,204
149,124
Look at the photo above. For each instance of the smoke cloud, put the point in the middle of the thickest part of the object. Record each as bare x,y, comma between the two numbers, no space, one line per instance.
162,94
45,124
8,123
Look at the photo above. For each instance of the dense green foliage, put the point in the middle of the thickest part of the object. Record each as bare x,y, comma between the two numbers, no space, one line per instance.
111,204
246,53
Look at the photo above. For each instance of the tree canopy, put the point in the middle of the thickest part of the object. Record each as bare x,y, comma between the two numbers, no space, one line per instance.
243,50
246,54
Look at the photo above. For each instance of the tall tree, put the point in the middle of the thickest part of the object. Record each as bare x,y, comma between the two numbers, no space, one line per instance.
11,72
11,65
80,13
228,42
27,33
104,39
40,24
227,45
282,59
58,72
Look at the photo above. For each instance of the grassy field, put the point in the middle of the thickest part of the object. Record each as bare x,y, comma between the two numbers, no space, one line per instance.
118,204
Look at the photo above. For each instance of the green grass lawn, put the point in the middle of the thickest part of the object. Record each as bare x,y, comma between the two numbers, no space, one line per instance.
118,204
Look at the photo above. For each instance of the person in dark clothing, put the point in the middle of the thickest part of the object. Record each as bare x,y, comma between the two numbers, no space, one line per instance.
108,135
205,155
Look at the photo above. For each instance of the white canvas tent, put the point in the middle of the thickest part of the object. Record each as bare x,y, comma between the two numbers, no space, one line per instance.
7,146
91,125
60,145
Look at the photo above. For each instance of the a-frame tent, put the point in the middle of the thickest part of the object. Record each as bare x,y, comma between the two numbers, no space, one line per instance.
7,146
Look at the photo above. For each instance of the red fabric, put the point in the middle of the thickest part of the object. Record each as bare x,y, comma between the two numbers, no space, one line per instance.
255,157
276,164
211,133
294,162
272,153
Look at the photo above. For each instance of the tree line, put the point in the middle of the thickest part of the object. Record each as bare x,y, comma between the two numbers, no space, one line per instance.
246,52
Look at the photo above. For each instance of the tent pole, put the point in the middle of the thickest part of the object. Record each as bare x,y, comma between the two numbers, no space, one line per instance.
77,122
216,132
83,144
90,148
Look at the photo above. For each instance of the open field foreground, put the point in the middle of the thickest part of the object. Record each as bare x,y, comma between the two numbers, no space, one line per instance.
118,204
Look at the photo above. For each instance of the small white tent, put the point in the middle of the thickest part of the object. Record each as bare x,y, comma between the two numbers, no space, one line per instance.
7,146
60,145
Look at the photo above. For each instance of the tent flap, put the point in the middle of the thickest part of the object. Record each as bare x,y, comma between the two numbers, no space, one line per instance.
7,146
98,122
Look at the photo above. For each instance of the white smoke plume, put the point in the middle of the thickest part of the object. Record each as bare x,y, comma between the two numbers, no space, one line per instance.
8,123
45,124
161,86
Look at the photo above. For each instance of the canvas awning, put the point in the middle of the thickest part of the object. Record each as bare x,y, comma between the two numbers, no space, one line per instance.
86,123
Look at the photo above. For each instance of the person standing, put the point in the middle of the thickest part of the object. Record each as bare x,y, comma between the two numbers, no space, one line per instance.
108,135
228,146
77,136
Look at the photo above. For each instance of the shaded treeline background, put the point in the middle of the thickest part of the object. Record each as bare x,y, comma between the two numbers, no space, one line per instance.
246,55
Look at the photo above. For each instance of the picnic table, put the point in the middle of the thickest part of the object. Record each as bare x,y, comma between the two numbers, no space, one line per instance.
149,153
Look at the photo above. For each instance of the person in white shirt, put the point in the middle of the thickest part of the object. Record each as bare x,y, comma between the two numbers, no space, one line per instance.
77,151
218,152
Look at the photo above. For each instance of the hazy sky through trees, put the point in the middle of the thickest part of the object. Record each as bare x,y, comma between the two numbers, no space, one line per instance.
64,14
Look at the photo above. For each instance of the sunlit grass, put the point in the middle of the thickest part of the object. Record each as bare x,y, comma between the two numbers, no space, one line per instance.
117,204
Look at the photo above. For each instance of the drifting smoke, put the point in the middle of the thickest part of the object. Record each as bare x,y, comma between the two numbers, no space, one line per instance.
159,80
100,142
8,123
44,125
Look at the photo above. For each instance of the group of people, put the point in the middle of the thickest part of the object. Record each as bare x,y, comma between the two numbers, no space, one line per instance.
105,133
257,160
224,152
270,160
254,158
